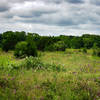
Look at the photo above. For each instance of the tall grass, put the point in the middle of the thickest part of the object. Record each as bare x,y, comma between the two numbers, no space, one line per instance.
41,79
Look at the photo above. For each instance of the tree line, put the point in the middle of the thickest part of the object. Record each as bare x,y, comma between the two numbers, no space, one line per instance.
9,39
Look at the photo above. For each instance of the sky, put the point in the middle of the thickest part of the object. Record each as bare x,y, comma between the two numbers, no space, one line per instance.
51,17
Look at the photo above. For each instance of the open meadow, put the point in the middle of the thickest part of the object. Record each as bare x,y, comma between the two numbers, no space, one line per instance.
49,49
59,75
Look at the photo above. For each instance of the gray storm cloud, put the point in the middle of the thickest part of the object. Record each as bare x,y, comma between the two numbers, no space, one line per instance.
52,17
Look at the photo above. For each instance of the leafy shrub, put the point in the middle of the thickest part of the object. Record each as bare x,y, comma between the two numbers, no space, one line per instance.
96,52
31,49
84,50
33,62
23,49
36,63
50,48
58,46
10,39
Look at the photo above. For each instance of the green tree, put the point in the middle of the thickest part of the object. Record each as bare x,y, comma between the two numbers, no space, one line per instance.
21,49
10,39
59,46
76,43
24,49
32,49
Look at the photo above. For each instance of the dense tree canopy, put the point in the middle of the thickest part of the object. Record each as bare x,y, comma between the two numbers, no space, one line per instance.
9,39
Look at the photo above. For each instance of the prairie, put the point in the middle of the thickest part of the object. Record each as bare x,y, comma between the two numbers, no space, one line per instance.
78,77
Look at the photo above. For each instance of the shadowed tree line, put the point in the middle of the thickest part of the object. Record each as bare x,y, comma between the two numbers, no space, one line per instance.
9,39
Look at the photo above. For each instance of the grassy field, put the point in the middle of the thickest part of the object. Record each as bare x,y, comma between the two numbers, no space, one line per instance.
79,78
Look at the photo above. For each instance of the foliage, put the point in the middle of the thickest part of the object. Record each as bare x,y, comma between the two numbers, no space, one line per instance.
33,62
50,48
96,50
76,43
58,46
36,63
45,41
31,46
89,40
24,49
10,39
84,50
21,49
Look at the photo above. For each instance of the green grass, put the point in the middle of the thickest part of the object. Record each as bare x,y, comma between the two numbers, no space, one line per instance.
7,58
80,81
72,62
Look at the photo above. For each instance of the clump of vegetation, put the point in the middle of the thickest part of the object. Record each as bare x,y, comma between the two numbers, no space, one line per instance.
24,49
21,49
33,62
58,46
84,50
9,39
96,50
50,48
36,63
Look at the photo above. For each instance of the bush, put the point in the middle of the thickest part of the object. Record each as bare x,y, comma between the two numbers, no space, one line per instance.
10,39
84,50
24,49
59,46
31,49
36,64
96,52
33,62
50,48
21,49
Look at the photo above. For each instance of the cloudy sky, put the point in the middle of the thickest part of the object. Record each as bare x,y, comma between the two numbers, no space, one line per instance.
51,17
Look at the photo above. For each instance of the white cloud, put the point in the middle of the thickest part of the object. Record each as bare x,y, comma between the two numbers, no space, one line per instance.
50,16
